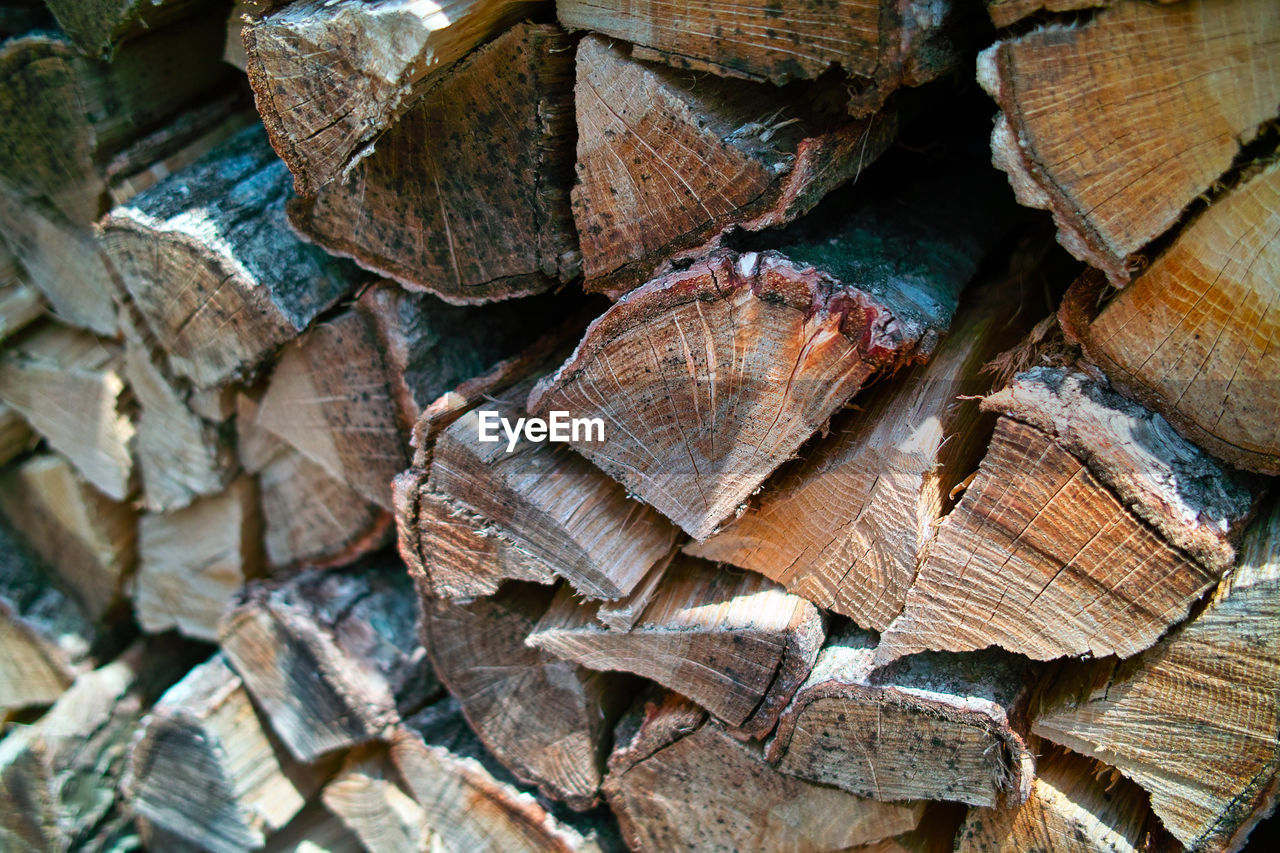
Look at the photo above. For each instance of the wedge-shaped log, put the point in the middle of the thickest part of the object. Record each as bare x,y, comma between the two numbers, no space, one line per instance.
708,378
330,658
466,196
735,643
348,395
547,720
881,44
203,768
191,562
1090,528
845,527
549,502
667,163
1193,719
1073,808
1187,338
931,726
331,77
88,540
208,260
469,800
679,781
54,364
1163,96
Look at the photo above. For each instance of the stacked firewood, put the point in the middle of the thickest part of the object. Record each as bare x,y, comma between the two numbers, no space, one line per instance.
511,425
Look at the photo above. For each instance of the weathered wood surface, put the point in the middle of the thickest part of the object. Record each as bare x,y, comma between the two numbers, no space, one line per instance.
669,162
54,364
1189,336
547,720
330,658
88,540
1162,97
679,781
374,809
708,378
1090,528
20,303
466,196
203,768
1195,720
735,643
846,526
219,227
941,727
880,44
331,77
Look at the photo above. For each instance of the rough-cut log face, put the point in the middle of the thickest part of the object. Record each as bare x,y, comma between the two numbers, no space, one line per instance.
1190,337
1161,98
735,643
329,76
1090,528
679,782
667,163
888,42
1196,719
210,263
926,727
546,719
466,195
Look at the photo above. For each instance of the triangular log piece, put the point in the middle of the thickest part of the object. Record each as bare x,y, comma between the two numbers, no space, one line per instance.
733,642
1162,97
1193,719
1187,337
679,781
846,526
330,658
1090,528
467,195
218,229
53,364
927,727
547,720
203,768
710,377
331,76
668,162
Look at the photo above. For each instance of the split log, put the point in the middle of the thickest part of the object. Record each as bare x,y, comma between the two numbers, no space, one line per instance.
192,561
16,438
680,782
709,378
46,639
548,721
1090,528
1161,99
348,395
1071,809
87,540
846,526
313,830
735,643
880,45
1192,720
936,833
550,503
219,226
365,797
20,303
1187,337
482,165
98,26
668,163
331,77
330,658
469,801
53,365
203,768
927,727
1006,13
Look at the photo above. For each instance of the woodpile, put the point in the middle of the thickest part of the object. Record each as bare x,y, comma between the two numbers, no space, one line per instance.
516,425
